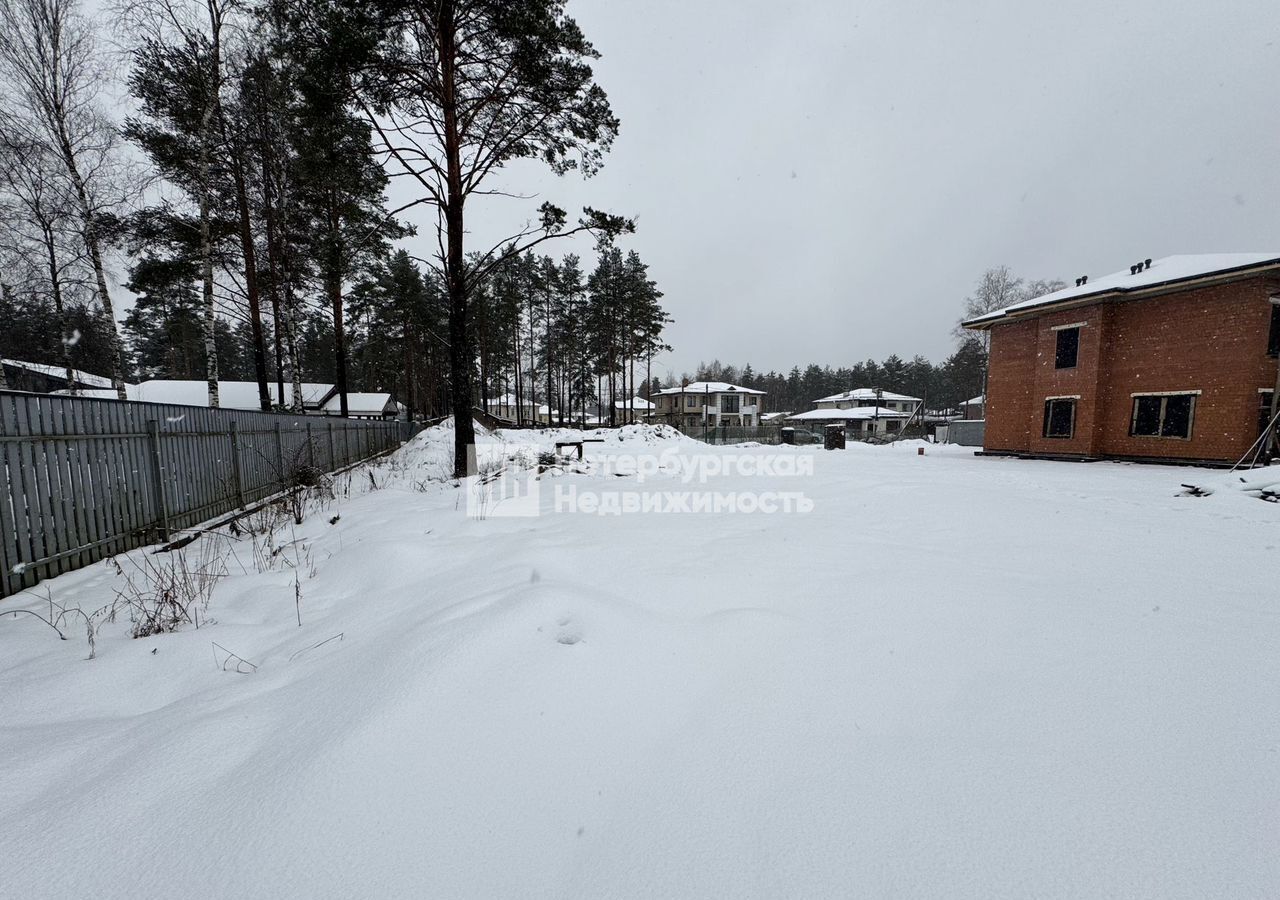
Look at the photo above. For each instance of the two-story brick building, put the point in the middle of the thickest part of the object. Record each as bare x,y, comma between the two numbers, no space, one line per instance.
1173,359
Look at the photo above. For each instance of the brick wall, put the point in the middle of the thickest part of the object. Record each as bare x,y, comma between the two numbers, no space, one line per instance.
1211,340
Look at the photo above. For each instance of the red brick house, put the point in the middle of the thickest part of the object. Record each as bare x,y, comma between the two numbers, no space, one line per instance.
1172,360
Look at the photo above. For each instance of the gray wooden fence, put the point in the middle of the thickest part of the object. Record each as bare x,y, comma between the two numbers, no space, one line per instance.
81,479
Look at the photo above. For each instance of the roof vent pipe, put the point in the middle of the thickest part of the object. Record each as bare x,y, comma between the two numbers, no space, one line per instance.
1133,270
1148,264
1084,279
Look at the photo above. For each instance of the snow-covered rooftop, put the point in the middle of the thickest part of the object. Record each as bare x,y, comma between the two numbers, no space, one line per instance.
634,403
231,394
710,387
853,413
360,403
1168,270
85,378
866,394
505,400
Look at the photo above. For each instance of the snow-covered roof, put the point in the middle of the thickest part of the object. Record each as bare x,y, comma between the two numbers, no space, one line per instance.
81,377
507,400
231,394
769,417
1165,271
710,387
973,401
866,394
360,403
855,412
634,403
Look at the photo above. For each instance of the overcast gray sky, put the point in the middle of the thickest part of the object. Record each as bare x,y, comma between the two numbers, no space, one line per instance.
825,181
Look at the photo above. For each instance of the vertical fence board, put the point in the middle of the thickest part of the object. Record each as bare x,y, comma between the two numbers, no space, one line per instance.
30,471
10,493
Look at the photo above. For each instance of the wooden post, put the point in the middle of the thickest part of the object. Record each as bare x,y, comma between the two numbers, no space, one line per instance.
311,448
333,454
153,441
235,464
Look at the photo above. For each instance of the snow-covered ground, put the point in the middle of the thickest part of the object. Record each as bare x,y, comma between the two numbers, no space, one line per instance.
952,677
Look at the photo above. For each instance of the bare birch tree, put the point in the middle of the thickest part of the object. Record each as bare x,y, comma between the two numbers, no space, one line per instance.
39,224
49,96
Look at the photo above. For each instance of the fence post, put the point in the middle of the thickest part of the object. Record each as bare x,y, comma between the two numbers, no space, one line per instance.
235,464
157,477
311,448
333,454
280,456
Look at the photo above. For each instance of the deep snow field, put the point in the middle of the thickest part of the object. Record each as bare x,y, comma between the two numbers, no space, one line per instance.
954,677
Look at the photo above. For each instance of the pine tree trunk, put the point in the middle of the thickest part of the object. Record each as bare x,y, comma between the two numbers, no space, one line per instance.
410,398
460,350
249,251
333,286
519,377
274,267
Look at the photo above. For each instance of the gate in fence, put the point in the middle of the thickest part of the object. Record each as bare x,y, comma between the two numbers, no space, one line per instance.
83,479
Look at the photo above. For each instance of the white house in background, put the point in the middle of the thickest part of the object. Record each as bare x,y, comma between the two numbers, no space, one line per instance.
709,403
643,408
974,408
869,397
505,407
863,412
363,405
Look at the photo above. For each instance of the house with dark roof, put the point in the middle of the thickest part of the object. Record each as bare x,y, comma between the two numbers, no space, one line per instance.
1173,359
41,378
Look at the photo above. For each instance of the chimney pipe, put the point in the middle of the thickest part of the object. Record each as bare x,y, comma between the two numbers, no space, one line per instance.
1148,264
1133,270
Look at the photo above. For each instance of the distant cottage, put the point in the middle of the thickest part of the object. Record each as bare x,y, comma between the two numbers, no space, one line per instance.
1171,359
708,403
864,412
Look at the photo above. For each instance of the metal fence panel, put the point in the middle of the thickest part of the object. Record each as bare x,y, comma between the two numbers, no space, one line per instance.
83,479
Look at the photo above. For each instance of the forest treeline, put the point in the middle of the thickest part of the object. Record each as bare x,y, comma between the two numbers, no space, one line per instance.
941,386
246,192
